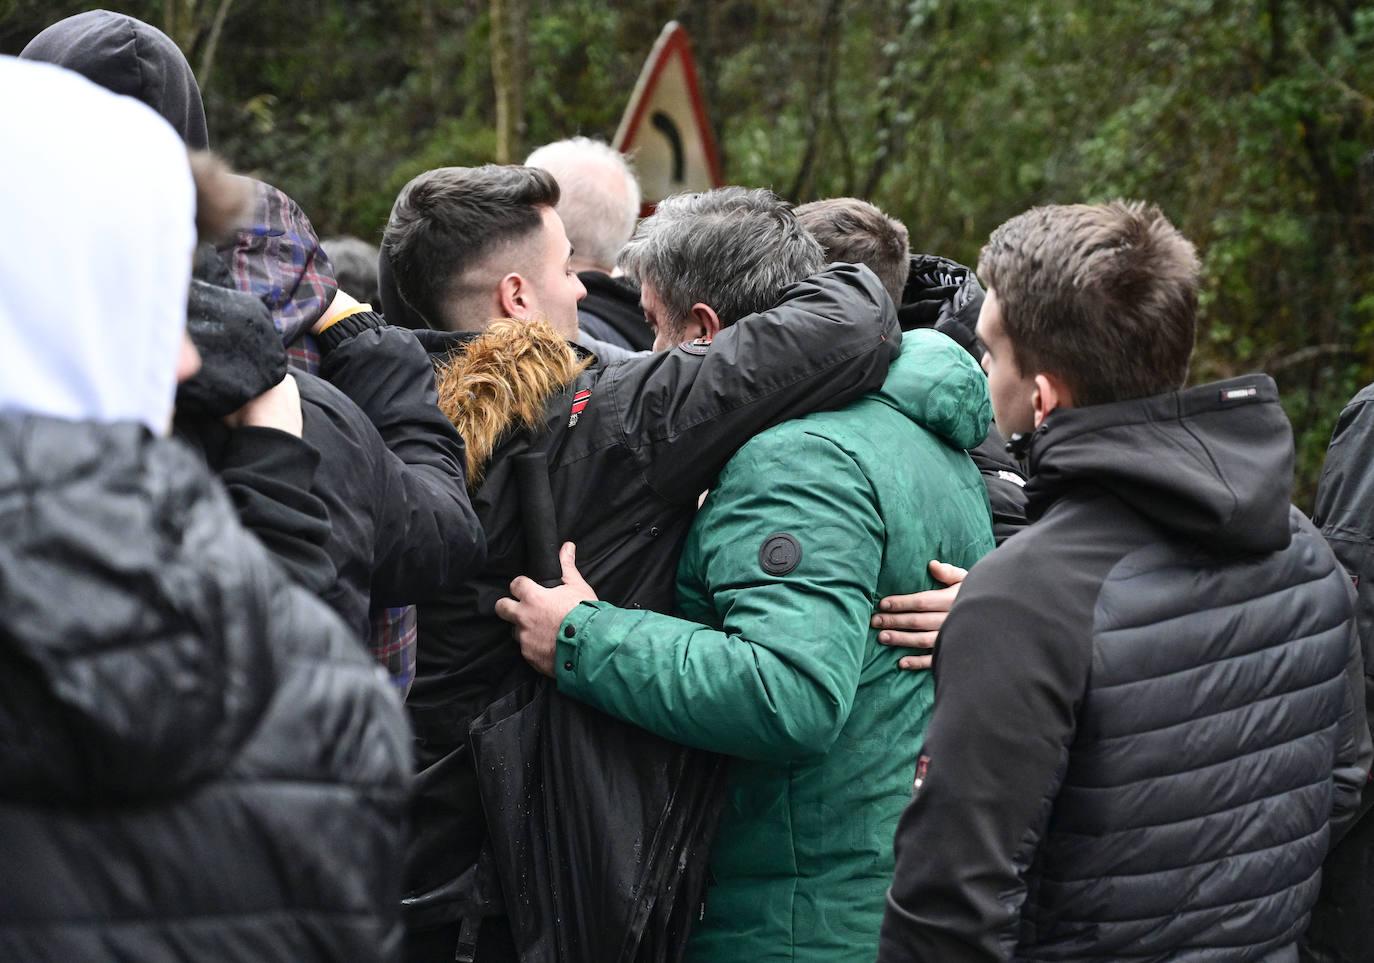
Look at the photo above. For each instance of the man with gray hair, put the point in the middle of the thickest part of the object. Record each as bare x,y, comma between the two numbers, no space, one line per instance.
599,205
705,260
772,660
628,448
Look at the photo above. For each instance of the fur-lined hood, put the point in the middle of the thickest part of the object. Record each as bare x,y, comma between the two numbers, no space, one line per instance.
501,382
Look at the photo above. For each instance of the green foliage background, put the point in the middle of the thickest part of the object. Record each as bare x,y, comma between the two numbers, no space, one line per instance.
1251,122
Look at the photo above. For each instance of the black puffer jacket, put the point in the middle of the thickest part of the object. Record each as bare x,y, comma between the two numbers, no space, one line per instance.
631,447
1176,699
1342,922
199,763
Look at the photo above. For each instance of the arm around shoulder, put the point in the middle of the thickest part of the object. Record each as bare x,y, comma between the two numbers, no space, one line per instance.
785,554
828,341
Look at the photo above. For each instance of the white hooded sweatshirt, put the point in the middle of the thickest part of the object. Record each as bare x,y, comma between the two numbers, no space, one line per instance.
98,210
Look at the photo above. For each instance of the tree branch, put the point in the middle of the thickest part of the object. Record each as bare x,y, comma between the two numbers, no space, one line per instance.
1302,356
801,183
207,58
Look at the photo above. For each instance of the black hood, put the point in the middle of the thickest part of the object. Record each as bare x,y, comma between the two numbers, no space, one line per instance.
944,295
1213,464
131,58
615,301
395,308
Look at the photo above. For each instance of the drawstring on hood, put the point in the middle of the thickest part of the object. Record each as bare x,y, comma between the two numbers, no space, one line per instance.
1213,464
93,280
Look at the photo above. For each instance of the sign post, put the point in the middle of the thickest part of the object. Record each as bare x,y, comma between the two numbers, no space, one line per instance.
664,127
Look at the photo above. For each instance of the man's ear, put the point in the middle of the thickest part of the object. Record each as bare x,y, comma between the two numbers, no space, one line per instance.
1050,392
702,322
514,297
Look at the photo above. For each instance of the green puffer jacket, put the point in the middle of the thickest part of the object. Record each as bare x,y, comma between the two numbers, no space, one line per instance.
773,661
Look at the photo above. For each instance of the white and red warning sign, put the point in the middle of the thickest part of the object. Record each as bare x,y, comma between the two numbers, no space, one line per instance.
665,127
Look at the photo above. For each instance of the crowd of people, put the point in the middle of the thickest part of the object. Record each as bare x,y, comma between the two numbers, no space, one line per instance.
556,585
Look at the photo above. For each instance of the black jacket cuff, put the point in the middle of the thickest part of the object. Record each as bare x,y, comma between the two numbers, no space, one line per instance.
351,326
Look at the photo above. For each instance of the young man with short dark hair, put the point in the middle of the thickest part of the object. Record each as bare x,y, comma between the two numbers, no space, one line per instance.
467,245
1149,703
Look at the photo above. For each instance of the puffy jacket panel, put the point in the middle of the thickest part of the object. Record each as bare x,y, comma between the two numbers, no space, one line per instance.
201,762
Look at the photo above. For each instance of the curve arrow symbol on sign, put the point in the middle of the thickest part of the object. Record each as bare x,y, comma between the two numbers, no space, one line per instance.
665,126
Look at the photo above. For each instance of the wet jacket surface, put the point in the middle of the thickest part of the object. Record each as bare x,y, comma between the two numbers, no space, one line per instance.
773,662
625,474
1148,706
1342,929
200,763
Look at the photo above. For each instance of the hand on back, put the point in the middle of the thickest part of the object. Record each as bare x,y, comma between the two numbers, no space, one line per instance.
914,621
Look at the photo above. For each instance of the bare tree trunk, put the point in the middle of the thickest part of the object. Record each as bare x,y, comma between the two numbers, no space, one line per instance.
822,91
196,32
172,21
430,48
207,55
507,74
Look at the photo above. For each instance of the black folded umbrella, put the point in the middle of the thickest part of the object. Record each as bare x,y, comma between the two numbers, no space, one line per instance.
599,831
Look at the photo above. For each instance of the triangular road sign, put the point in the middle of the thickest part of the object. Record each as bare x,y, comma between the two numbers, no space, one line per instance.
665,126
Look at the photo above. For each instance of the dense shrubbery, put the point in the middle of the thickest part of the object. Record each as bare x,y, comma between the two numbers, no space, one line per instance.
1251,123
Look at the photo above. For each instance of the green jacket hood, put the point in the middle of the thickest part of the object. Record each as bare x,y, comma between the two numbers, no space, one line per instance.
936,384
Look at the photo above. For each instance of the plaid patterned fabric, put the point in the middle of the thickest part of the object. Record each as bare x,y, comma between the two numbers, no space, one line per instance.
278,259
393,644
304,355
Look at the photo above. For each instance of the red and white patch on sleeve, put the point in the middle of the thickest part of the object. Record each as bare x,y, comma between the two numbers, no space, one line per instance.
579,402
922,767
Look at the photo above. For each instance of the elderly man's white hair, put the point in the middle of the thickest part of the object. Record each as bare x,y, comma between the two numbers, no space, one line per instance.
599,203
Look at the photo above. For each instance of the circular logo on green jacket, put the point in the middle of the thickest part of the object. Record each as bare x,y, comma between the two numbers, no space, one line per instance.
780,554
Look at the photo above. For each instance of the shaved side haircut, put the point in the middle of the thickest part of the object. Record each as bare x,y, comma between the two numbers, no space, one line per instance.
452,227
